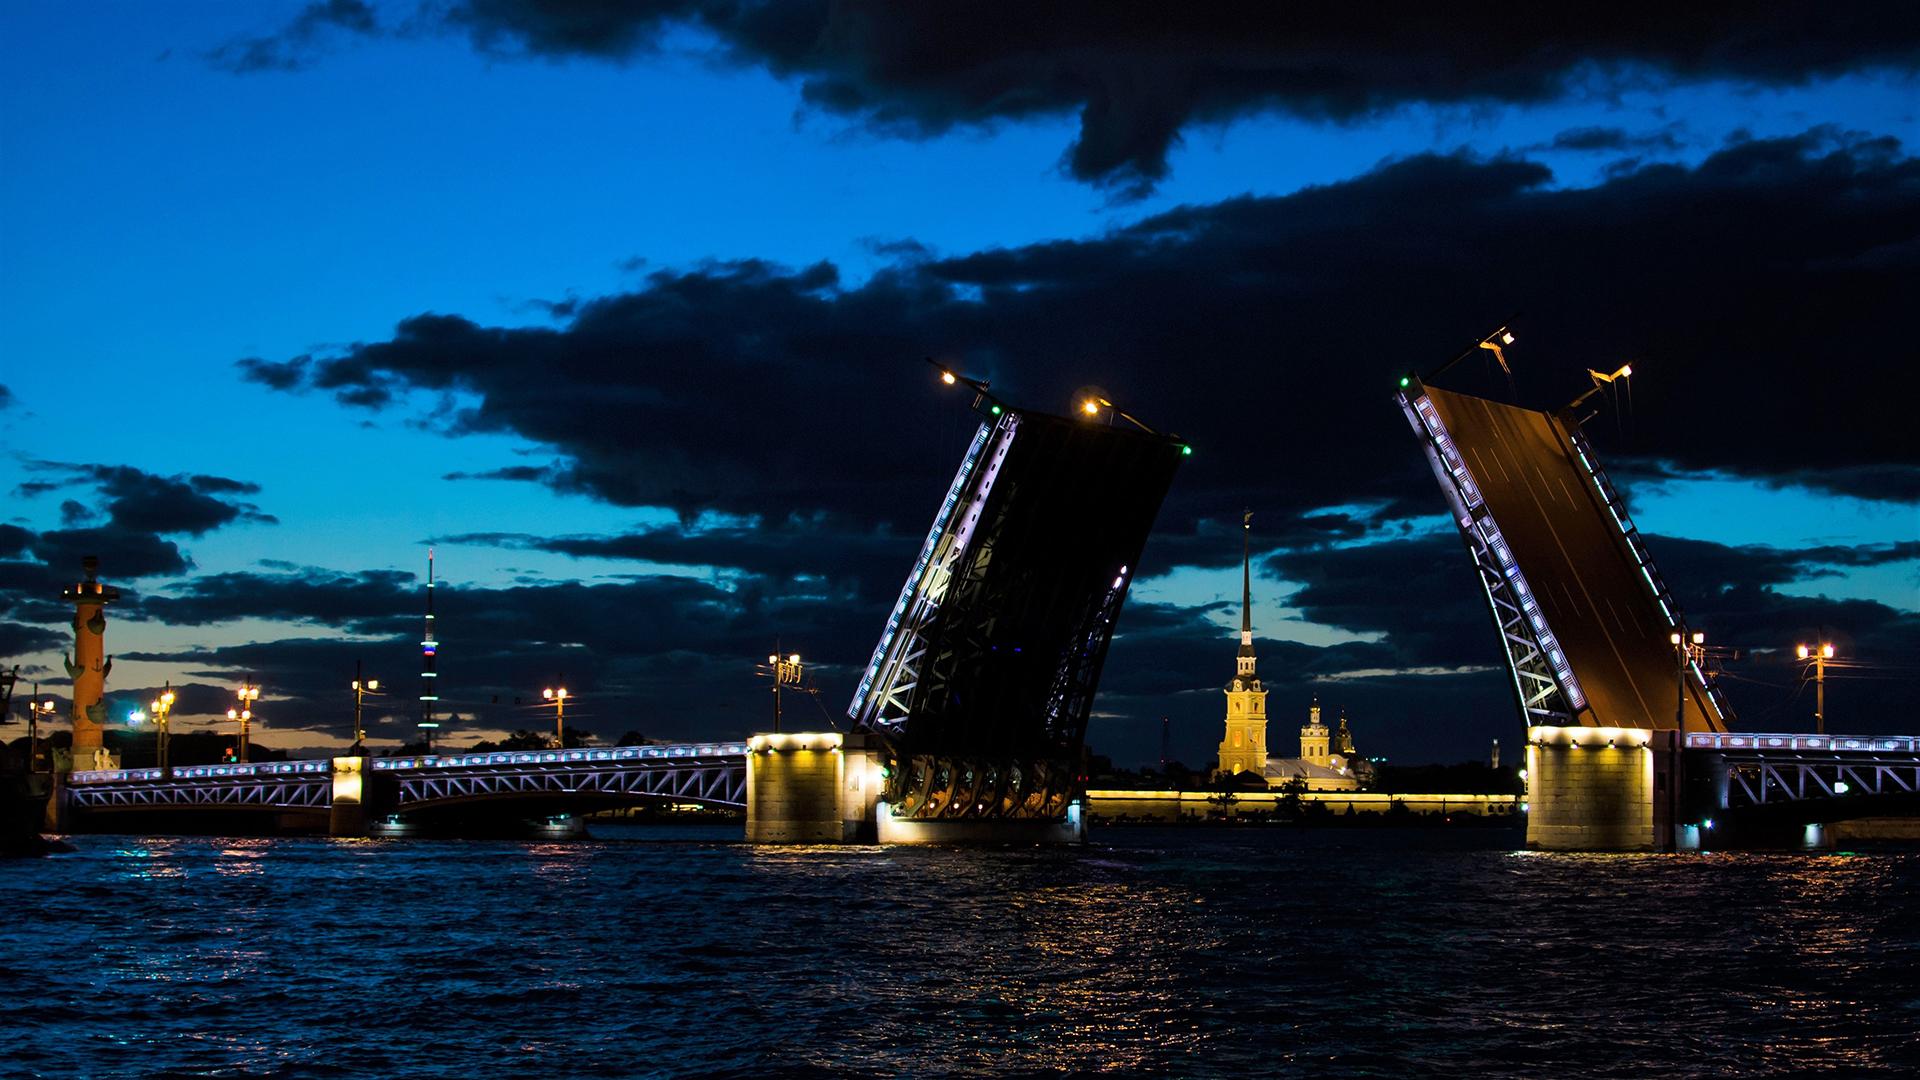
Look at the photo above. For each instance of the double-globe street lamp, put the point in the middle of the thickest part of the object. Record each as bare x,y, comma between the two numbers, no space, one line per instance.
1819,654
361,688
243,712
558,695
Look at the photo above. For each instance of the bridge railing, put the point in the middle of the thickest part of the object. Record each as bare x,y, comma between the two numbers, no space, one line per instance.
1762,742
562,757
253,770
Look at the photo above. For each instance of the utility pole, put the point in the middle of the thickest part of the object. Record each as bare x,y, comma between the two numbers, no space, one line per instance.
162,706
786,671
559,698
249,693
361,688
1682,652
1819,654
36,709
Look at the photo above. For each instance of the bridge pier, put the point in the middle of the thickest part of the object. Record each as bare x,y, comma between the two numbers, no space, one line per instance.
1601,789
811,788
354,807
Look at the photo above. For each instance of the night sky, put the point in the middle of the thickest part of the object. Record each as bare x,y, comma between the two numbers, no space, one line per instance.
621,308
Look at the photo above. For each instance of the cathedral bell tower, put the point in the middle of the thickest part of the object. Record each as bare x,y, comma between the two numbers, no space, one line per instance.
1244,748
1314,739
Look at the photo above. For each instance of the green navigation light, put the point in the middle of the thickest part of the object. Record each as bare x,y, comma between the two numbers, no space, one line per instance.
1186,451
996,410
1405,381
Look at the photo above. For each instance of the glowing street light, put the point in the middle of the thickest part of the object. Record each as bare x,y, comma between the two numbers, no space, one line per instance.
786,671
1684,653
248,694
1819,654
361,688
162,707
559,698
36,710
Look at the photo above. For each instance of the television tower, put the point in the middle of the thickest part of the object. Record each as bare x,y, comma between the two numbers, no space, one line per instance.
429,646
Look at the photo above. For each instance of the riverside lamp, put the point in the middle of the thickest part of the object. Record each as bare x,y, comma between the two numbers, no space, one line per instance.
361,688
162,707
248,694
558,695
1819,654
36,711
1684,650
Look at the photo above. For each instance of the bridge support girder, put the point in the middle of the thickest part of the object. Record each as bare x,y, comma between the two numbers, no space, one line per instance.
1602,789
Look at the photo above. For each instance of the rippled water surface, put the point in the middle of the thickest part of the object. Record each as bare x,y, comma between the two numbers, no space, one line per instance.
1196,953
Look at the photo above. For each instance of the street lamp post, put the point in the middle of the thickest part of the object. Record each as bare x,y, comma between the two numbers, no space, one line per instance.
786,671
248,694
162,706
1683,651
1819,654
36,709
559,698
361,688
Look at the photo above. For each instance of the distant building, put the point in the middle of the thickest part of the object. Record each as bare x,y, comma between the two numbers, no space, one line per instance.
1327,760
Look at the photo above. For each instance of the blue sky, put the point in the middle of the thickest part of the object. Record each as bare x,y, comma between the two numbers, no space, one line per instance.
165,219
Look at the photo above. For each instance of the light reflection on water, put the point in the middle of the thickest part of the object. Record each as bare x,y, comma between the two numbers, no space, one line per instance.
1182,952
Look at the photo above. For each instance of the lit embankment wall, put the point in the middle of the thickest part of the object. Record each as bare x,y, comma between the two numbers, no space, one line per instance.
1114,804
1599,789
810,788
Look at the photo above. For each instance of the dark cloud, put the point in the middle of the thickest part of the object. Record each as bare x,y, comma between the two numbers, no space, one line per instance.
1267,330
1615,140
124,553
14,540
297,44
1138,76
818,552
7,400
139,501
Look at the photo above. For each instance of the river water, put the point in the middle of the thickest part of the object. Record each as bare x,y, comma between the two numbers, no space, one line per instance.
1181,952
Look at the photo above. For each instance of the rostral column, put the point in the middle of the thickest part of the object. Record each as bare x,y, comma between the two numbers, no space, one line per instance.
89,667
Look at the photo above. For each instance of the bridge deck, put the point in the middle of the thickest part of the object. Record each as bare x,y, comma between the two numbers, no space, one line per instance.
1595,593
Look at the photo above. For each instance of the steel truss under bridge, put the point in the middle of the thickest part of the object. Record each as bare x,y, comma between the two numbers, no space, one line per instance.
714,781
279,785
1766,770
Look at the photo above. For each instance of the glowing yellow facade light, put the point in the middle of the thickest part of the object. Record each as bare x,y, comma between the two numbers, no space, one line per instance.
1625,370
1802,651
794,658
948,378
1506,337
1826,651
1090,407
